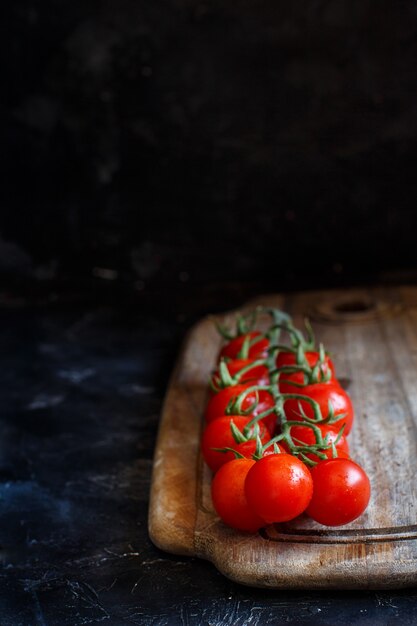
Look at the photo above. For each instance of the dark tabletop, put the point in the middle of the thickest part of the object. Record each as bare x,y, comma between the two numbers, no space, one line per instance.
81,393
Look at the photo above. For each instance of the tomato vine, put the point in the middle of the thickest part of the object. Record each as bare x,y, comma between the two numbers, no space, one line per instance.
278,403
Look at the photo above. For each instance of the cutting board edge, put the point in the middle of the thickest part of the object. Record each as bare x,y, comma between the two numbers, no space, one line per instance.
185,541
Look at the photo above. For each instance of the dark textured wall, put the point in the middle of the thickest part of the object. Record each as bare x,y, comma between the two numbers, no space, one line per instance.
208,140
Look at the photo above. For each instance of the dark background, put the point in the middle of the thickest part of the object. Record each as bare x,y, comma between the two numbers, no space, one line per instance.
216,141
161,160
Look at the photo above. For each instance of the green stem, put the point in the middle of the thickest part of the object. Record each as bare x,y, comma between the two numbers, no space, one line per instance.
247,345
299,344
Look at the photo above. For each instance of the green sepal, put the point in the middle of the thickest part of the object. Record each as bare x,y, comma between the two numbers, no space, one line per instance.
310,343
237,454
244,351
238,436
226,380
259,448
223,331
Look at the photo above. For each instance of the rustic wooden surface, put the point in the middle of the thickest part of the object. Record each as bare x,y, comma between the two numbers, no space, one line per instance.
372,335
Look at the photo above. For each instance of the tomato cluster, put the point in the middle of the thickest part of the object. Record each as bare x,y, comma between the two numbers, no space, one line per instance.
275,435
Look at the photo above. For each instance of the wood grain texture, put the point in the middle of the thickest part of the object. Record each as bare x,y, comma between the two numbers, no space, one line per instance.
372,335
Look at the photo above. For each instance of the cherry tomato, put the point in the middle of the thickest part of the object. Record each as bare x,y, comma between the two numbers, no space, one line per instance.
278,487
322,393
260,400
218,434
258,350
303,435
229,499
285,359
259,374
341,492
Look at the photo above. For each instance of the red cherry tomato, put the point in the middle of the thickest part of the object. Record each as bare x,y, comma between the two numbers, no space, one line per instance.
218,434
341,492
278,487
285,359
322,393
259,401
259,374
229,499
257,350
303,435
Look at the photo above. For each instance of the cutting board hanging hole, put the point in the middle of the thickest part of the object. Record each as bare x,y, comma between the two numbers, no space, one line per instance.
353,308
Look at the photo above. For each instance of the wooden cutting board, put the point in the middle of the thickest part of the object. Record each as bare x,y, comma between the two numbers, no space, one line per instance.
372,335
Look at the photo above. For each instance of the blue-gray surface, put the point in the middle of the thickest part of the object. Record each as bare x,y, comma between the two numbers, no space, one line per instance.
80,394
